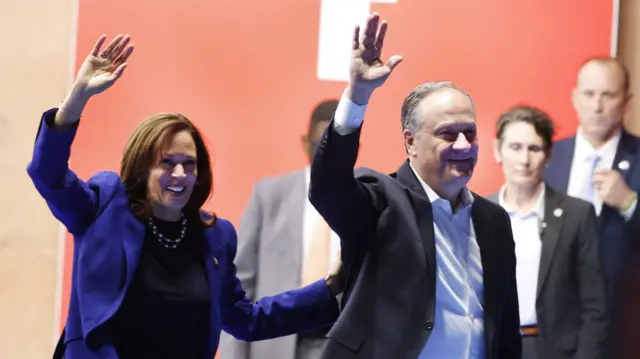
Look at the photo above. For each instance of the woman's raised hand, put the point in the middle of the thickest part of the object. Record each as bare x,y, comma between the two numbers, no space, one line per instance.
99,71
102,68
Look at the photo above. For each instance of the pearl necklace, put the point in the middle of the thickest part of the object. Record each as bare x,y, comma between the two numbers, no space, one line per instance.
168,242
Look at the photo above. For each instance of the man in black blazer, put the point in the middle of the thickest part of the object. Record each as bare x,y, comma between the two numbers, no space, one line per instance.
430,266
561,291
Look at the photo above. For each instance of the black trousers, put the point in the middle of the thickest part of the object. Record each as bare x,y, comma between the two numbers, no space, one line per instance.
529,348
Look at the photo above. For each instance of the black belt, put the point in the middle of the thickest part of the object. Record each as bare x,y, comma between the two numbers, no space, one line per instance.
529,331
314,334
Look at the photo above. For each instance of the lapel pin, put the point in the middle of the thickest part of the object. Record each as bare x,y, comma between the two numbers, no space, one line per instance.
215,261
541,228
557,212
623,165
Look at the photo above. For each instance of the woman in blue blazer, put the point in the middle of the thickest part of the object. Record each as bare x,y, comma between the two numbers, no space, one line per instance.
153,274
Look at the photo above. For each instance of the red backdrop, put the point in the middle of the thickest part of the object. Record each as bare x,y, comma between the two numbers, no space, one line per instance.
245,73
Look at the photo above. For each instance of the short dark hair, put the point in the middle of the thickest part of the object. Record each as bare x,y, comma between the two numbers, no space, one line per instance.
540,120
626,78
323,112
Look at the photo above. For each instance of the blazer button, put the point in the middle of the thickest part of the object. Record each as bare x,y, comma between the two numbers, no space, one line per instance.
428,325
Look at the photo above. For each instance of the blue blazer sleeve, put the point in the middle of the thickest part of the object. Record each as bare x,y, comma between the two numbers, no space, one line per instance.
71,200
287,313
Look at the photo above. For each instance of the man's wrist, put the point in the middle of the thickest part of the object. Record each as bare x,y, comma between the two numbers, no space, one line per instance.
348,116
631,200
358,96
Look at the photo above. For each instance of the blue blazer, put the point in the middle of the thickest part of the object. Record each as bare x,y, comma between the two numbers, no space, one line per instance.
615,233
107,244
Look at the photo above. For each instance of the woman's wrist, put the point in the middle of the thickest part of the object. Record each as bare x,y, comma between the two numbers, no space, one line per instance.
70,111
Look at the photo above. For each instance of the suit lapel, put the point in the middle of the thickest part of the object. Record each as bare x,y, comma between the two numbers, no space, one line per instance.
625,156
550,233
422,209
133,239
558,172
490,260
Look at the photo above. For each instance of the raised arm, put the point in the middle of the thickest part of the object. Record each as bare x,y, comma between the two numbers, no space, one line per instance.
308,308
351,207
594,327
70,199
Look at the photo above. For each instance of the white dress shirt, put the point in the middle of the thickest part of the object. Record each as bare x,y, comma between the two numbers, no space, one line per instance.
526,230
458,331
310,216
582,155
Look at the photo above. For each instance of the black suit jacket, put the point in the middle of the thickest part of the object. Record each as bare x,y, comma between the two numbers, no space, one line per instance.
388,251
571,304
615,233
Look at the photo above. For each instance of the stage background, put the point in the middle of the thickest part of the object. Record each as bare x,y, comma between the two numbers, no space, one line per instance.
246,73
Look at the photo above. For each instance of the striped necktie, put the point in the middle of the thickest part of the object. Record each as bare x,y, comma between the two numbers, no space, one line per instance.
587,191
316,262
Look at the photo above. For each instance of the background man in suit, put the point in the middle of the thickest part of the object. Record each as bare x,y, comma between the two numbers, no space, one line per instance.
602,151
430,267
283,243
561,291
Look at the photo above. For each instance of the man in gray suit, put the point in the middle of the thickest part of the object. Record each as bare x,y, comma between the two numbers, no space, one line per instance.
279,228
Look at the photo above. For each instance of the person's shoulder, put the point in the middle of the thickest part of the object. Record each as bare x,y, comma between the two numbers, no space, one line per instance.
221,225
283,177
630,136
282,180
493,198
492,209
221,233
630,141
107,183
105,178
574,205
221,237
563,142
573,201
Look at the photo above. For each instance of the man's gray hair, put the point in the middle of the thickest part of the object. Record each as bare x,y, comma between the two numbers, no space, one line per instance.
408,118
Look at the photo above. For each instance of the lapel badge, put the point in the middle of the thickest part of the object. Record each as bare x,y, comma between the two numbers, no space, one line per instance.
544,224
623,165
557,212
215,261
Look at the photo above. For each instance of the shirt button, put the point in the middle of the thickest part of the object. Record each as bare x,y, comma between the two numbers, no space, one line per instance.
428,325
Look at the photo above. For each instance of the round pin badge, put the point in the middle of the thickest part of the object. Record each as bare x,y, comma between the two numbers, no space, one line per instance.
557,212
624,165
